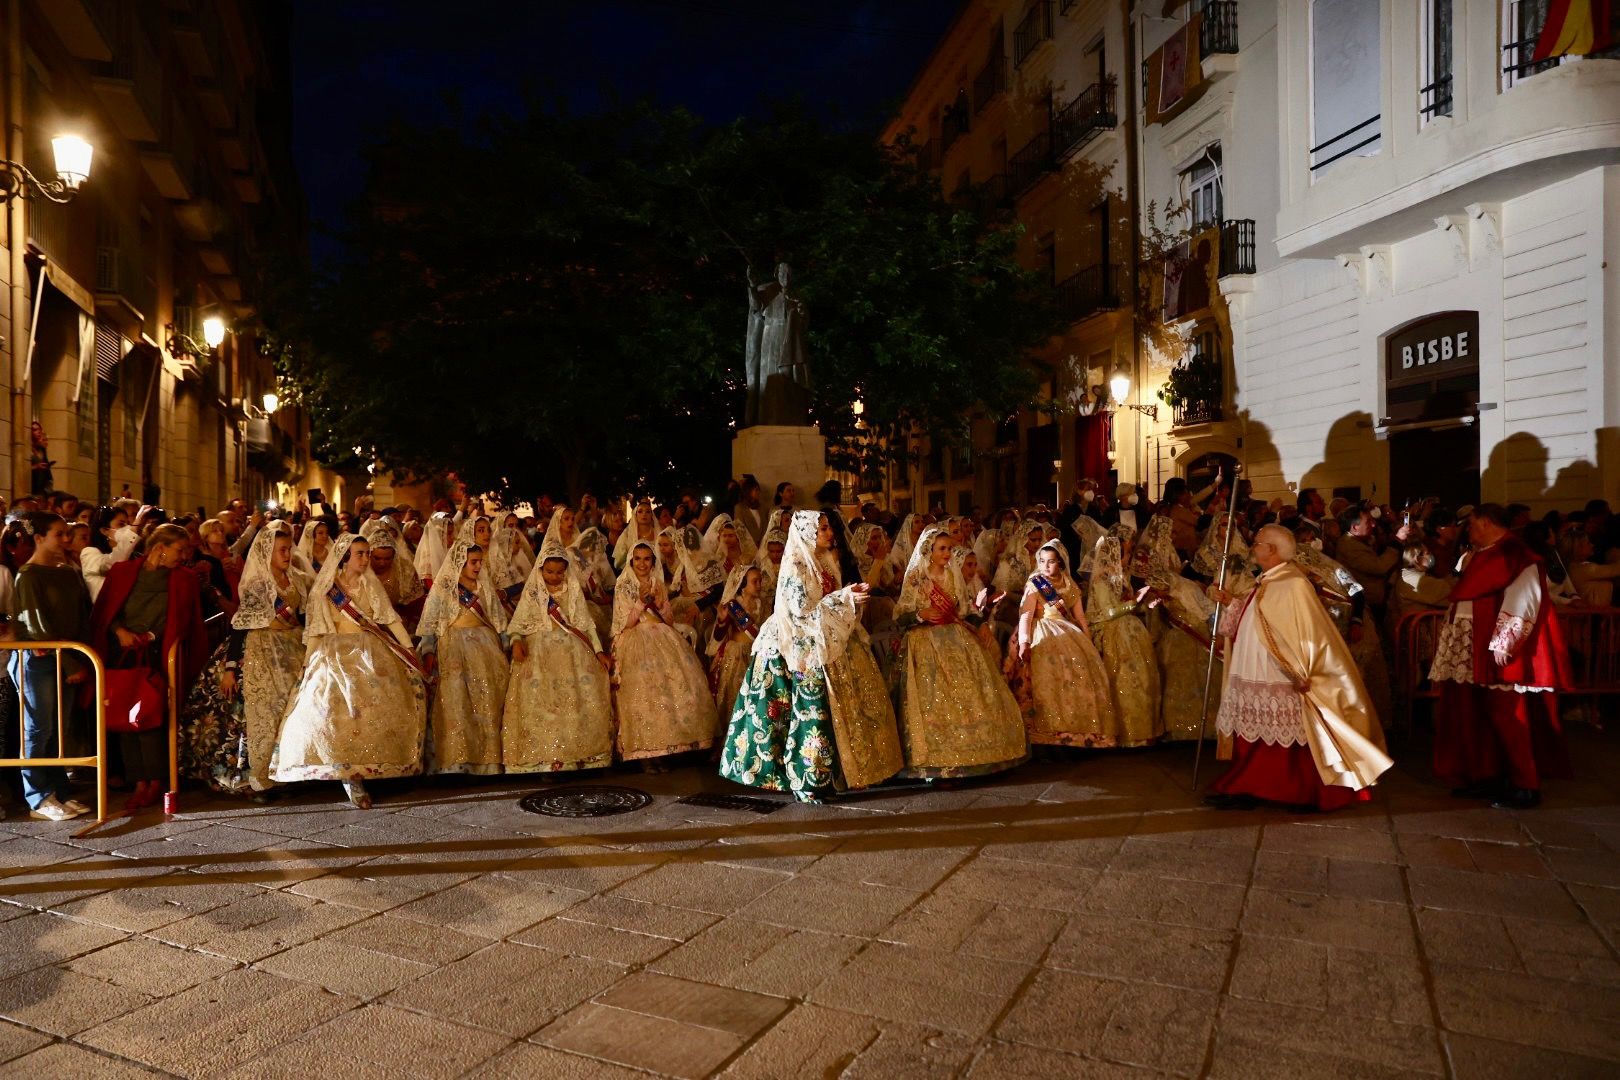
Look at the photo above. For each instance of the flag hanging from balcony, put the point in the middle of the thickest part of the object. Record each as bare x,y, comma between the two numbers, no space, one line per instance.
1173,69
1575,28
1175,265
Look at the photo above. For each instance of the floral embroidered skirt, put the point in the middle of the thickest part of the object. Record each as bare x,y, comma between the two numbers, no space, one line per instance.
957,715
662,694
227,744
469,697
1069,700
781,733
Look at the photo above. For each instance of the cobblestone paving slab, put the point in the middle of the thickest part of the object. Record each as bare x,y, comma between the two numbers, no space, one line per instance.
1080,918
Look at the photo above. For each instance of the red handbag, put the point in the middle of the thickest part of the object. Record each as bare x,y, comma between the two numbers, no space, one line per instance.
136,699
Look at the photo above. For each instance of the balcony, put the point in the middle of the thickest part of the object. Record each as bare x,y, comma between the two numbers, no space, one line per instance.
120,282
1201,51
85,27
1029,164
130,85
1237,247
1035,29
1197,412
199,40
1218,31
1083,119
1086,292
990,82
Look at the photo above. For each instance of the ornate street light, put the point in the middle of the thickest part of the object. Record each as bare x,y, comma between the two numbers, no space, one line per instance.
1120,387
271,402
183,344
72,156
213,331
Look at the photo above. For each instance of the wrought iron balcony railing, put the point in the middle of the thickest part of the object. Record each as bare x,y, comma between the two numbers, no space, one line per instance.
1086,292
1218,33
1081,120
1035,28
1027,166
989,82
1198,412
1237,246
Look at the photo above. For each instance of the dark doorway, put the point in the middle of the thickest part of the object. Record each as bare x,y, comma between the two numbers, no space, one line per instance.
1443,462
1040,450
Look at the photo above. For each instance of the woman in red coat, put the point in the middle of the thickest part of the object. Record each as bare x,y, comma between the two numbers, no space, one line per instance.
146,606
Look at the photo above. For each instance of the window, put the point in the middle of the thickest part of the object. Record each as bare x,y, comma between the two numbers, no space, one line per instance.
1097,60
1203,184
1434,99
1346,67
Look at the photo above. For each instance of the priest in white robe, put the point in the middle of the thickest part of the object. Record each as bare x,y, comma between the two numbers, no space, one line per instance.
1302,728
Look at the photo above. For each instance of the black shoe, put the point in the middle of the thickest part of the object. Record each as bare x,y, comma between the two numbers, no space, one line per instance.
1518,799
1480,789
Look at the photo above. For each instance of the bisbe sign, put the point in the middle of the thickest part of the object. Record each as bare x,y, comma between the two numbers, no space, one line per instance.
1440,345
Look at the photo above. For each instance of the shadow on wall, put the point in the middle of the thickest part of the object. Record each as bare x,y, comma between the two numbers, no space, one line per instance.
1351,457
1517,471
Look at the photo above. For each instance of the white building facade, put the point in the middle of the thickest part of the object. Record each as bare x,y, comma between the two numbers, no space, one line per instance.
1431,302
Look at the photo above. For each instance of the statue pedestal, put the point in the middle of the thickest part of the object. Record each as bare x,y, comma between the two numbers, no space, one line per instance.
774,454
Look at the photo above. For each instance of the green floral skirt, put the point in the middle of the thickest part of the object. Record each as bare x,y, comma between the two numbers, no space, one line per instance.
781,733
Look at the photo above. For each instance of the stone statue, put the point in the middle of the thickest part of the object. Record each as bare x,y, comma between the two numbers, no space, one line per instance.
775,354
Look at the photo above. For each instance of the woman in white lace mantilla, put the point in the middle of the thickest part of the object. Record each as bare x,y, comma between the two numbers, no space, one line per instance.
235,708
464,644
1068,701
812,716
661,693
361,708
957,715
559,700
736,625
1123,641
433,547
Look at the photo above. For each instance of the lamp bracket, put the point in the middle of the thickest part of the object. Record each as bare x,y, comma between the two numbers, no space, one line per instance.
16,180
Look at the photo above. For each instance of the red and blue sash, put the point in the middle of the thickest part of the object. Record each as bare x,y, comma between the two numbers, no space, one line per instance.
340,600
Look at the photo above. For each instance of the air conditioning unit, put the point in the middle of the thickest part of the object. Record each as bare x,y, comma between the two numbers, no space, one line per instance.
260,436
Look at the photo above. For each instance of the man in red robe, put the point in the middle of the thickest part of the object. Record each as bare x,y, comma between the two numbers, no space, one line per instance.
1499,663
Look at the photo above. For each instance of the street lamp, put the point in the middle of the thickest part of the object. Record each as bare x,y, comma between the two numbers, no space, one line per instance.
271,402
72,155
213,331
1120,387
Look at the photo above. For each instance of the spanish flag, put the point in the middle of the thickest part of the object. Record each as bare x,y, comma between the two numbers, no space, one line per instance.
1575,28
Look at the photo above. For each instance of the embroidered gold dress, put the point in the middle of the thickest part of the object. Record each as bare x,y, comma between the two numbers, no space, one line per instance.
957,716
661,694
559,703
1071,702
1125,646
361,709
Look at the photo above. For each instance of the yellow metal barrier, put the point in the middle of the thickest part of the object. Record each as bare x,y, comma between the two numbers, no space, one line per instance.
171,801
97,762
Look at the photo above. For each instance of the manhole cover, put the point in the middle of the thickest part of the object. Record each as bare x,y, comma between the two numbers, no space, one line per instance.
733,802
587,801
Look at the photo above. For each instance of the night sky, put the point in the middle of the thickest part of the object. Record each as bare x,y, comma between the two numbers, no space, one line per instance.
359,63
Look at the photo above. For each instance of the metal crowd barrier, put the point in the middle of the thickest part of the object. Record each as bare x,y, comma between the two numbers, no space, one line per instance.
98,761
1591,635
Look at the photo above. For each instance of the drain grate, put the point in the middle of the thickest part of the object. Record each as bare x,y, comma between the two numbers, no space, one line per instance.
733,802
599,800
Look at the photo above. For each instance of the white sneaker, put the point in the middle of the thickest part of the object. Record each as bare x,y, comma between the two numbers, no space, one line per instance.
76,806
52,809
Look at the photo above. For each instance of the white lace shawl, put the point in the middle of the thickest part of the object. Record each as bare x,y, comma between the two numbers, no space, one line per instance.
809,627
533,614
434,546
443,607
509,561
914,591
367,596
627,593
257,591
716,543
382,533
700,564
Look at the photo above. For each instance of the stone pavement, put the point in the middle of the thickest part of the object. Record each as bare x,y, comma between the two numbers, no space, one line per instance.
1081,918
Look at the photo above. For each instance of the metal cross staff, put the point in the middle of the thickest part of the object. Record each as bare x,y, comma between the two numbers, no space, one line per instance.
1214,636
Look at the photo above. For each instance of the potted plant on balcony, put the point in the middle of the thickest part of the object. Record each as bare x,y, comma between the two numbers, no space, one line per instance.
1193,389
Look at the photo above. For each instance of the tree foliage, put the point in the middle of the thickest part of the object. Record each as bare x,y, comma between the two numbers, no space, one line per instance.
558,300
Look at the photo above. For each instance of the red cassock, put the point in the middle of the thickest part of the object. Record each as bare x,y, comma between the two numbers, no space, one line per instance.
1486,730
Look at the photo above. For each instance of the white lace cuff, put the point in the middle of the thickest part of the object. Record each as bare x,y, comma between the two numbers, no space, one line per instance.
1509,634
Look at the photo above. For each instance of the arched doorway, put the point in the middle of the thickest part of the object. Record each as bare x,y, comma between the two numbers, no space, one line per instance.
1431,397
1200,471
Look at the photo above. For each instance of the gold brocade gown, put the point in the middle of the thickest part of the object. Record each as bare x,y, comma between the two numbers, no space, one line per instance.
468,699
1072,701
957,716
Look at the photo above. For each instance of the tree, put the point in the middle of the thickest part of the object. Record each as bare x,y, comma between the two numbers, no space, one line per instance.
560,298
